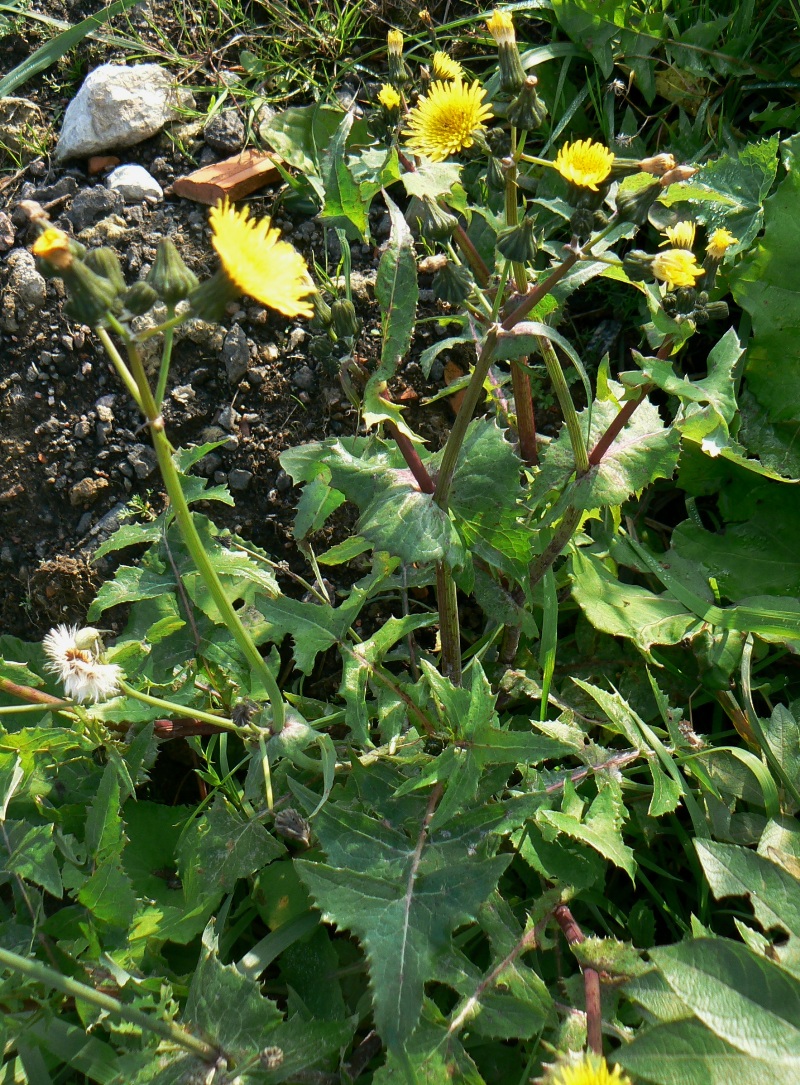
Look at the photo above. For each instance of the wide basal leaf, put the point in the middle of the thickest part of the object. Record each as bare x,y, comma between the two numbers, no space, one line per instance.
343,202
746,1000
687,1053
645,450
773,891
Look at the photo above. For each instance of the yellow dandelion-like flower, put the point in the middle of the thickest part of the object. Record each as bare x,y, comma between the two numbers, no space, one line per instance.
258,263
53,246
447,119
501,26
680,236
394,40
388,97
719,243
676,267
444,67
588,1070
584,163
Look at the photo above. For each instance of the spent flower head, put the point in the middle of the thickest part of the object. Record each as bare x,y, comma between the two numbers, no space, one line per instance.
500,25
444,67
75,657
584,163
258,263
54,247
719,243
680,236
447,119
676,267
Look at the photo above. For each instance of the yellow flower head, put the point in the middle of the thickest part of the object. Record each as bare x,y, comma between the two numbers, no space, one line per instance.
388,97
258,263
444,67
584,163
447,119
676,267
719,243
589,1070
53,246
680,236
395,42
501,26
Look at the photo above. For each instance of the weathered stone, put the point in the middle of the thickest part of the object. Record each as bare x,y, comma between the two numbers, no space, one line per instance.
134,183
239,479
24,282
225,132
91,205
119,106
23,130
236,354
87,491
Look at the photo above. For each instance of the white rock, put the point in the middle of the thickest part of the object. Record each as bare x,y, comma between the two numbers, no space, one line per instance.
118,106
135,184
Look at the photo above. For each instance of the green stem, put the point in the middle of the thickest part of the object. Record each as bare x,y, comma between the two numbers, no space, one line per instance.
562,535
174,709
474,258
449,630
561,388
191,537
123,372
168,1030
166,358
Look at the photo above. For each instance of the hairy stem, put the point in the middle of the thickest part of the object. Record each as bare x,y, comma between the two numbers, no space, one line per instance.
40,973
626,412
561,389
412,458
449,630
473,257
591,981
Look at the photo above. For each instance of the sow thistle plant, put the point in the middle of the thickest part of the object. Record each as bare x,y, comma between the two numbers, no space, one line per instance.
415,792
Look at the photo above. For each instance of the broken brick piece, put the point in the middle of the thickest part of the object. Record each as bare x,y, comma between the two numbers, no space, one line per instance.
234,177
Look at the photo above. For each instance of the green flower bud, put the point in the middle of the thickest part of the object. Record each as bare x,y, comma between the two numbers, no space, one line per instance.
209,299
637,265
399,74
713,310
501,26
169,276
344,321
435,222
140,298
527,111
634,206
322,311
518,243
495,178
106,263
91,296
452,283
582,222
499,140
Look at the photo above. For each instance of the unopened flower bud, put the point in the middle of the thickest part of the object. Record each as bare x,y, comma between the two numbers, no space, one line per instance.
452,283
499,140
169,276
399,74
634,205
140,298
582,221
713,310
91,296
527,111
344,321
495,178
675,176
55,250
518,243
435,222
106,263
637,265
512,75
322,311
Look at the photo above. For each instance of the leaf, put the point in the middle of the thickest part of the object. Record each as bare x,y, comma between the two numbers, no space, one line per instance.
734,871
104,834
746,1000
687,1053
108,895
626,610
433,1054
31,855
645,450
397,291
600,828
765,285
343,202
54,49
401,895
395,515
221,848
782,737
298,132
228,1008
729,191
432,179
